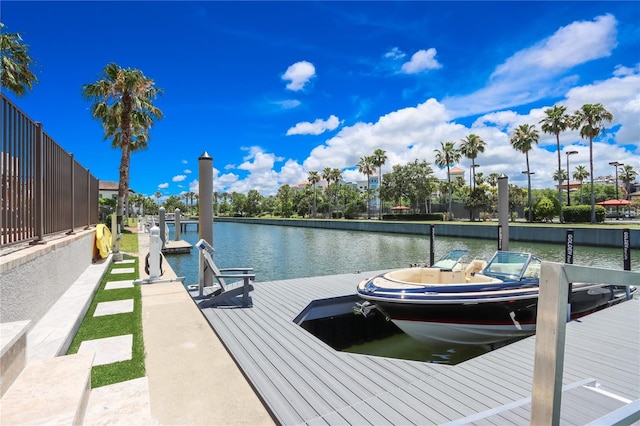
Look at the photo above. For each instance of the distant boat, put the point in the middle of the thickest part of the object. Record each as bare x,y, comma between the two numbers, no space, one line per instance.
472,302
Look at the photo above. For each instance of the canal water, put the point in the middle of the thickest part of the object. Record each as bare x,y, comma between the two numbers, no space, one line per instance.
284,252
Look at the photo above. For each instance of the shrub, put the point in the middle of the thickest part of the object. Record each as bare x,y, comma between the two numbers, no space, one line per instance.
582,213
544,209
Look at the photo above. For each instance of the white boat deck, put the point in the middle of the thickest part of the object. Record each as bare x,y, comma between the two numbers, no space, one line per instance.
303,381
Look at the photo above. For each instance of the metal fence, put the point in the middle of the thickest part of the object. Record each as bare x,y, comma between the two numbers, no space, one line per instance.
44,189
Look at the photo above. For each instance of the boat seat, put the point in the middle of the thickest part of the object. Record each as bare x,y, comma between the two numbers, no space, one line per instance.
475,266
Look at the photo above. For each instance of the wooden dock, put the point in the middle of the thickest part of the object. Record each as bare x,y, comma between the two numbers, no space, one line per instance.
176,247
303,381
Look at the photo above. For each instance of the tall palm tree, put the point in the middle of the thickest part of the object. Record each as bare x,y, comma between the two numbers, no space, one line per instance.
366,166
590,119
379,158
628,176
447,155
327,175
123,101
470,147
555,122
314,178
158,194
560,175
580,174
336,176
15,62
523,138
493,179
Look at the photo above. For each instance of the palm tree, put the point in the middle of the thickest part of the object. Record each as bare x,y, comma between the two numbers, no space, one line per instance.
123,101
560,175
379,158
470,147
628,176
523,138
492,180
366,166
15,61
158,194
557,121
314,178
590,119
580,173
327,175
336,176
447,155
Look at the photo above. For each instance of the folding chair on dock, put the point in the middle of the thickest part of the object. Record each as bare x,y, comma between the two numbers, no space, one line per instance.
221,291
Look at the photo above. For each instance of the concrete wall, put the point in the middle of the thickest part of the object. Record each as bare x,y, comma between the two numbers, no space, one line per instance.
592,236
34,278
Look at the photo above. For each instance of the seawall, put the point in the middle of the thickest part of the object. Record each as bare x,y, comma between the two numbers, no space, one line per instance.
34,278
553,234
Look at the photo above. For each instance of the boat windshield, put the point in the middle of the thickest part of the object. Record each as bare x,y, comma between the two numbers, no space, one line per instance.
513,265
449,260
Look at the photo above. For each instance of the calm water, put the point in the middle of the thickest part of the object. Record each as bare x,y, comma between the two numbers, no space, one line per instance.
282,252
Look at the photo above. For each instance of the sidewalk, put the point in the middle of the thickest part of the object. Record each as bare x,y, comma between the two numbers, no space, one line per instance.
192,377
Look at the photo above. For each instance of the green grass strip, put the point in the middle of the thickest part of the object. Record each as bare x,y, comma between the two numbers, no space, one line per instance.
115,325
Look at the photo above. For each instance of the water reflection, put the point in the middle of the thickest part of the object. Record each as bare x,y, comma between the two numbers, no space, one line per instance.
283,252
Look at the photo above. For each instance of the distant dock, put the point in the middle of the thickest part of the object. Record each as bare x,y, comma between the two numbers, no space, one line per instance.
184,223
177,247
303,381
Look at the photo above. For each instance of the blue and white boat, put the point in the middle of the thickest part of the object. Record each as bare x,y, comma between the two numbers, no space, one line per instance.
472,302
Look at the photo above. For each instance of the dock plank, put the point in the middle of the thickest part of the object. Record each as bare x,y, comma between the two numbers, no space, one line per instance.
304,381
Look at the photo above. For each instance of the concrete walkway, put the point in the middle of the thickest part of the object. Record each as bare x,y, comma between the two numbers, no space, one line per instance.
192,378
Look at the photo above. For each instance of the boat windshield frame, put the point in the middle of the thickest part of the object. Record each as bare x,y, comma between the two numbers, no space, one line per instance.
451,259
511,265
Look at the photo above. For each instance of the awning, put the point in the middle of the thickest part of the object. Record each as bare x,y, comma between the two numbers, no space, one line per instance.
613,203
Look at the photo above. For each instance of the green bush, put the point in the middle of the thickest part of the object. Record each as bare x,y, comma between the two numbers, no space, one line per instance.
544,209
582,213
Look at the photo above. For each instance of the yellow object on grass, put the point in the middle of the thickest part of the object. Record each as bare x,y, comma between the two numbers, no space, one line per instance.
103,240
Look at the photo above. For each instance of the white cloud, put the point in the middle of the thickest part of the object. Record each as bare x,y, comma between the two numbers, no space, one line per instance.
317,127
533,73
299,75
395,53
178,178
415,132
575,44
186,171
287,103
422,60
163,185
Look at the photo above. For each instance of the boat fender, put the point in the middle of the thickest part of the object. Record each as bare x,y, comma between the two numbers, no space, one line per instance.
146,264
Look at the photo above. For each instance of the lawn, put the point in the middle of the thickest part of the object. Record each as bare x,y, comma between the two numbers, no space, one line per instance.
116,325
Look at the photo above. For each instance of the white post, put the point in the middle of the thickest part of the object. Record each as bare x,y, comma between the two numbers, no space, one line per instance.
155,246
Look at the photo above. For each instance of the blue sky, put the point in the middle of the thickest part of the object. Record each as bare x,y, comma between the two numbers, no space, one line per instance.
273,90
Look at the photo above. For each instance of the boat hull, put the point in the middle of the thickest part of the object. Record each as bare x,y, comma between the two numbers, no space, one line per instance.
485,322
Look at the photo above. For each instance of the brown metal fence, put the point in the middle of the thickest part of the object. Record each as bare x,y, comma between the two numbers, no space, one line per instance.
44,189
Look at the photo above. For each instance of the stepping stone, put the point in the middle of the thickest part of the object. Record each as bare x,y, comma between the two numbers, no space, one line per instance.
123,270
115,307
109,350
125,262
124,403
113,285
